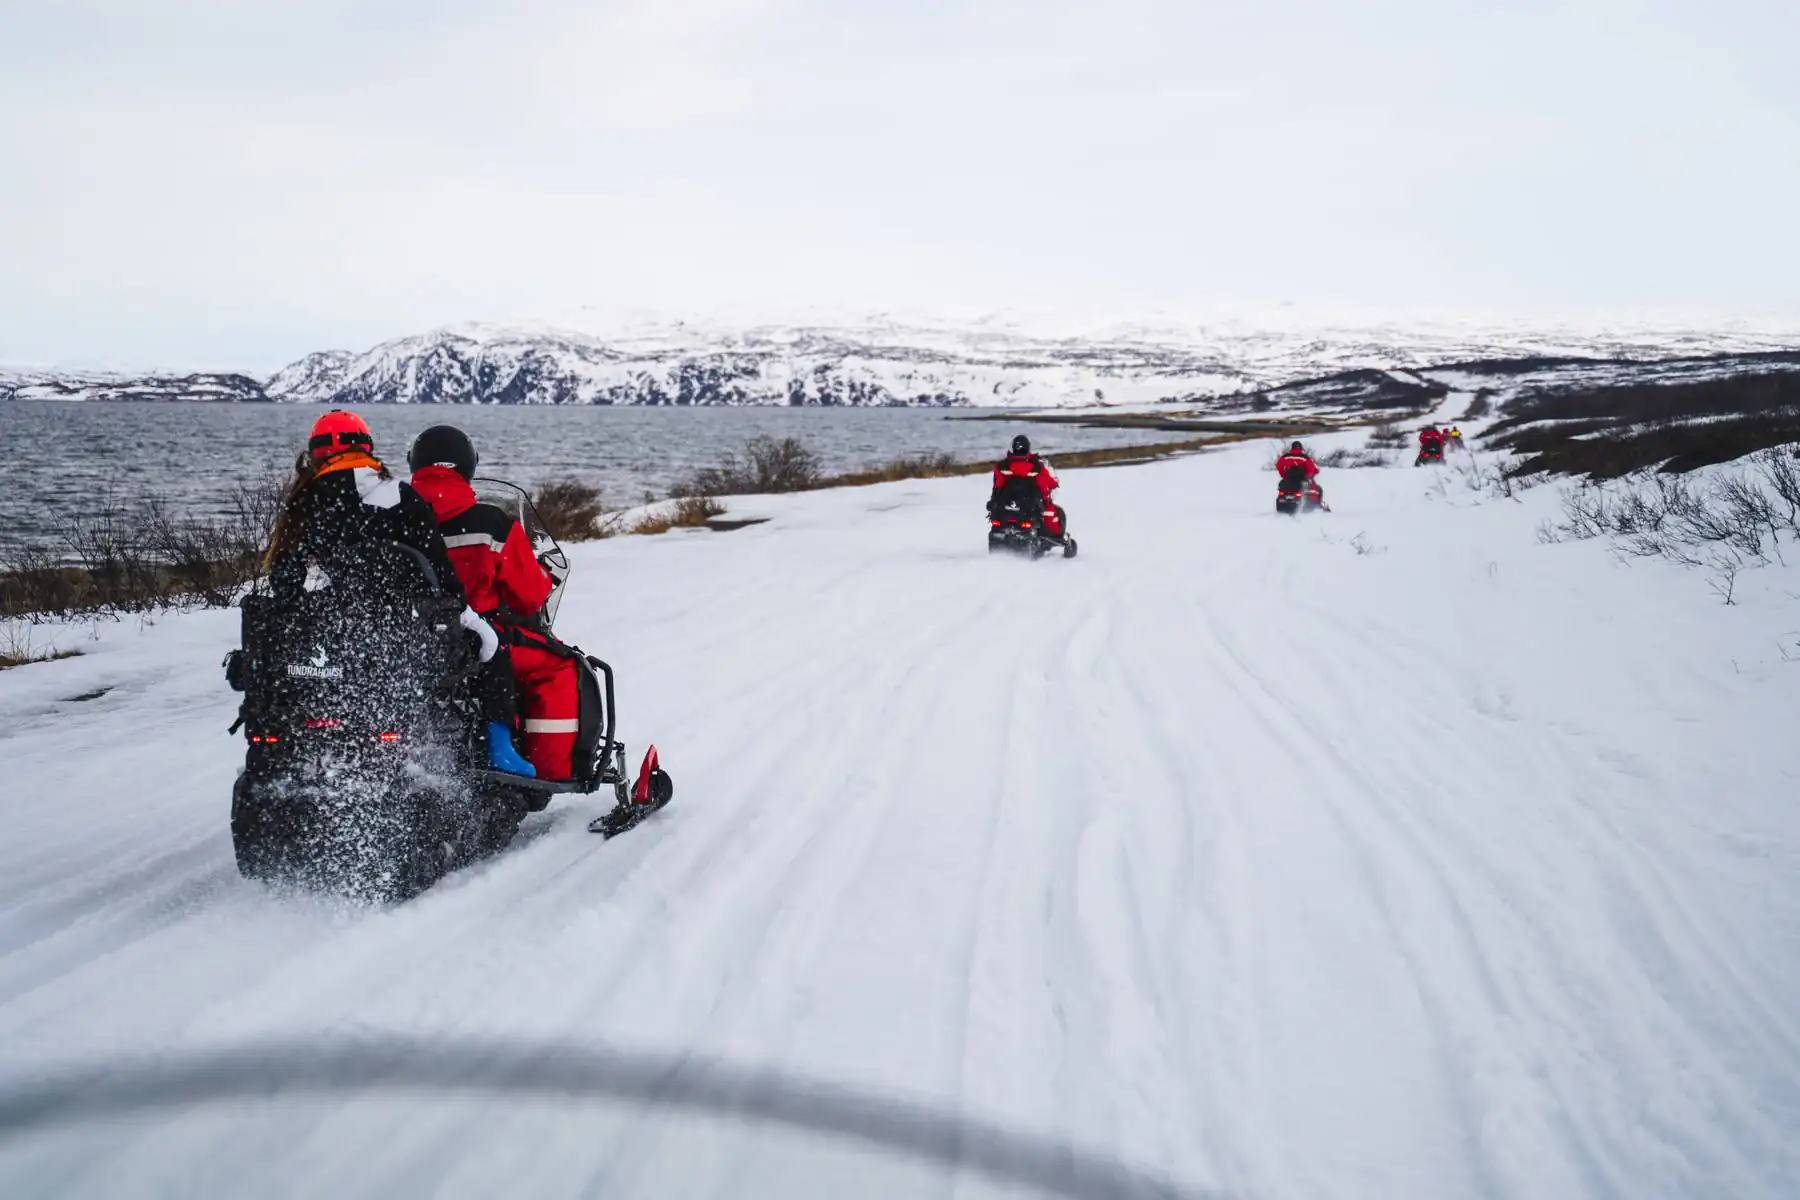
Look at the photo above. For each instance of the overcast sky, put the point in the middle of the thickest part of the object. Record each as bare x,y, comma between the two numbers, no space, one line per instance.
217,183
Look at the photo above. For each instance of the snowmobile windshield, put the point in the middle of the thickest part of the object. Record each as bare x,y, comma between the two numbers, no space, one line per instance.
511,499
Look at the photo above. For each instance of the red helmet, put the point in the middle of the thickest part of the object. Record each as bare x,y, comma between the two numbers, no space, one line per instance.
336,432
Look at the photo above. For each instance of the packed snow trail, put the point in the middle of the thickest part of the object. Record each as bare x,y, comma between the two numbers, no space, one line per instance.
1383,853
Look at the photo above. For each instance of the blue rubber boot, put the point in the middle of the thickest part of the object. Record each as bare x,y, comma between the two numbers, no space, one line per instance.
502,756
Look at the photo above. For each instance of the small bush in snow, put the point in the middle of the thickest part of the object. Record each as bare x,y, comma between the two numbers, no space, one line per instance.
1724,523
570,510
1389,437
768,465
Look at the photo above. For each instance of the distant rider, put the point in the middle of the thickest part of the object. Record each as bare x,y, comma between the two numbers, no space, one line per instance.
507,585
1297,467
343,495
1023,464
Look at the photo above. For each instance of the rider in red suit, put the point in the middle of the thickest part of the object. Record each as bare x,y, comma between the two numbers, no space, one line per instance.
505,583
1023,463
1431,441
1297,459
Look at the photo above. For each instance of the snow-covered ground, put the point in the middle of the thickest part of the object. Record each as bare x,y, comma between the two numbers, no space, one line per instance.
1388,853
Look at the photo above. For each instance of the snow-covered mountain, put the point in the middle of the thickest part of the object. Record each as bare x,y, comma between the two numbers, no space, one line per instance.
317,372
107,385
592,359
878,362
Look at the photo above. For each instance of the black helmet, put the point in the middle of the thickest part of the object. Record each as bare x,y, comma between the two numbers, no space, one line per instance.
1296,448
444,446
1021,445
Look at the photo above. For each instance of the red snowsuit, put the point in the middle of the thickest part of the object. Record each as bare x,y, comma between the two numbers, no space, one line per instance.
1290,460
1030,466
1304,462
505,584
1431,440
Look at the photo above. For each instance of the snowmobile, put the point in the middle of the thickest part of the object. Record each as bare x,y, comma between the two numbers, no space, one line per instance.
1429,454
366,766
1016,523
1297,494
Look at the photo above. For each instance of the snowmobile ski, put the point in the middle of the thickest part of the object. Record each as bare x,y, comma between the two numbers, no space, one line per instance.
651,794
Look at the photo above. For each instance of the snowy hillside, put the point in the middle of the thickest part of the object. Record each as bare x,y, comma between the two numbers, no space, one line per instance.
641,360
1388,853
316,374
22,384
889,362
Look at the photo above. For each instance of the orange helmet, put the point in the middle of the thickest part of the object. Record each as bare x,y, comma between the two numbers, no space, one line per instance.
336,432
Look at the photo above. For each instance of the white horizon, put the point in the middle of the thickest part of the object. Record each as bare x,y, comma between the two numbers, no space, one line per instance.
200,184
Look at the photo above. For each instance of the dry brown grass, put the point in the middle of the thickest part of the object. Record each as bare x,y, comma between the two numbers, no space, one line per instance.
18,647
687,512
1125,456
768,466
907,466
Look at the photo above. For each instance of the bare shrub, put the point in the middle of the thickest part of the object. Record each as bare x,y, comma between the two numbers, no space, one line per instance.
1733,521
1724,580
149,556
1777,469
570,510
34,582
768,465
1389,437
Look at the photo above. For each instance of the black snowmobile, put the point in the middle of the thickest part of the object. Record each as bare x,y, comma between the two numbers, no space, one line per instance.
1296,494
1429,454
366,771
1016,522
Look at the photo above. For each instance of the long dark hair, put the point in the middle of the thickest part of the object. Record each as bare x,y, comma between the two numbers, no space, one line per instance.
306,469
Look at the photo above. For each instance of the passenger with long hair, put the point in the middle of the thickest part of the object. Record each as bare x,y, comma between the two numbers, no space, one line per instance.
342,495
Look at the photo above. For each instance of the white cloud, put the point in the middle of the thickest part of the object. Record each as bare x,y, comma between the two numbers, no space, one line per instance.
239,182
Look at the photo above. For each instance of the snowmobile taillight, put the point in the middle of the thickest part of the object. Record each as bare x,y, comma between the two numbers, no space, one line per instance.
260,740
323,723
388,737
996,524
1027,524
